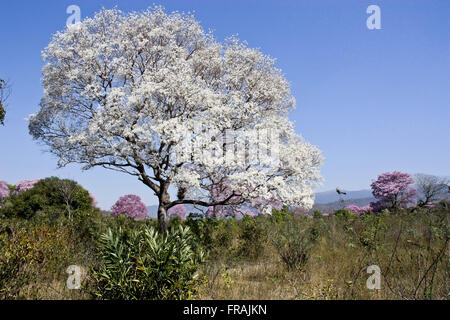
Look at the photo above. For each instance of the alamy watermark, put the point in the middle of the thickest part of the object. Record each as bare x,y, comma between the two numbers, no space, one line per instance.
76,275
374,281
374,20
75,15
230,147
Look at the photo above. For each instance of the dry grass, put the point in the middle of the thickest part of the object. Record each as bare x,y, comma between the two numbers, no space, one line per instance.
411,249
413,254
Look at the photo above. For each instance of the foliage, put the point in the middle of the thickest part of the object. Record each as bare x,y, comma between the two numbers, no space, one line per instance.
215,236
142,264
34,257
131,206
47,197
280,215
253,237
344,214
296,257
294,242
317,214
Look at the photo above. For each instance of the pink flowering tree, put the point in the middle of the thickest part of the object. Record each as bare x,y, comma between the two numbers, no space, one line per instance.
4,191
239,202
358,210
392,190
178,211
131,206
94,201
24,185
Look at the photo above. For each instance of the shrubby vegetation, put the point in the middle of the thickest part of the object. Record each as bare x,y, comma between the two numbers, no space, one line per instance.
281,256
49,197
143,264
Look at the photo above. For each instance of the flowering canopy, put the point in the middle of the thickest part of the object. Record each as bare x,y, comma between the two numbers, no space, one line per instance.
131,206
177,210
358,210
123,91
4,191
24,185
392,190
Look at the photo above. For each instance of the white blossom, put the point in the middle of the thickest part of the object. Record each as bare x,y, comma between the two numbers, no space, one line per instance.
122,91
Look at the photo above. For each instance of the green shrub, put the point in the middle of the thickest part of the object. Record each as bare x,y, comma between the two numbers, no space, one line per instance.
215,236
143,264
344,214
279,216
53,197
32,257
294,242
253,237
317,214
175,222
373,231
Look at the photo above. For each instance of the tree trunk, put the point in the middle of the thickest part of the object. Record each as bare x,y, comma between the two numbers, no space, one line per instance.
164,201
162,218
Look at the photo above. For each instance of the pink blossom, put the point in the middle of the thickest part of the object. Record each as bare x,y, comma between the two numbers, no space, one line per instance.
392,190
177,210
94,201
131,206
4,191
24,185
236,205
219,211
358,210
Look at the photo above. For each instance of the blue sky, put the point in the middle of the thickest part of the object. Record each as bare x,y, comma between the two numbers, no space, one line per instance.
371,100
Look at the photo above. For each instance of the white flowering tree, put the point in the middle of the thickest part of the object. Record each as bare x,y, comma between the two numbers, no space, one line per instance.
125,91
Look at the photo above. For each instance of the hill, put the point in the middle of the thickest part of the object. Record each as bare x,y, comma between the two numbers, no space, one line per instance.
332,196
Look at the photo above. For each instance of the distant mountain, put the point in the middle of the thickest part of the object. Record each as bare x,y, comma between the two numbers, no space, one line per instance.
335,205
329,201
332,196
325,201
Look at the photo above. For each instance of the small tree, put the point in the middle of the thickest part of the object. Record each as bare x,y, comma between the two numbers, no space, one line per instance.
47,196
393,191
431,187
70,191
131,206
